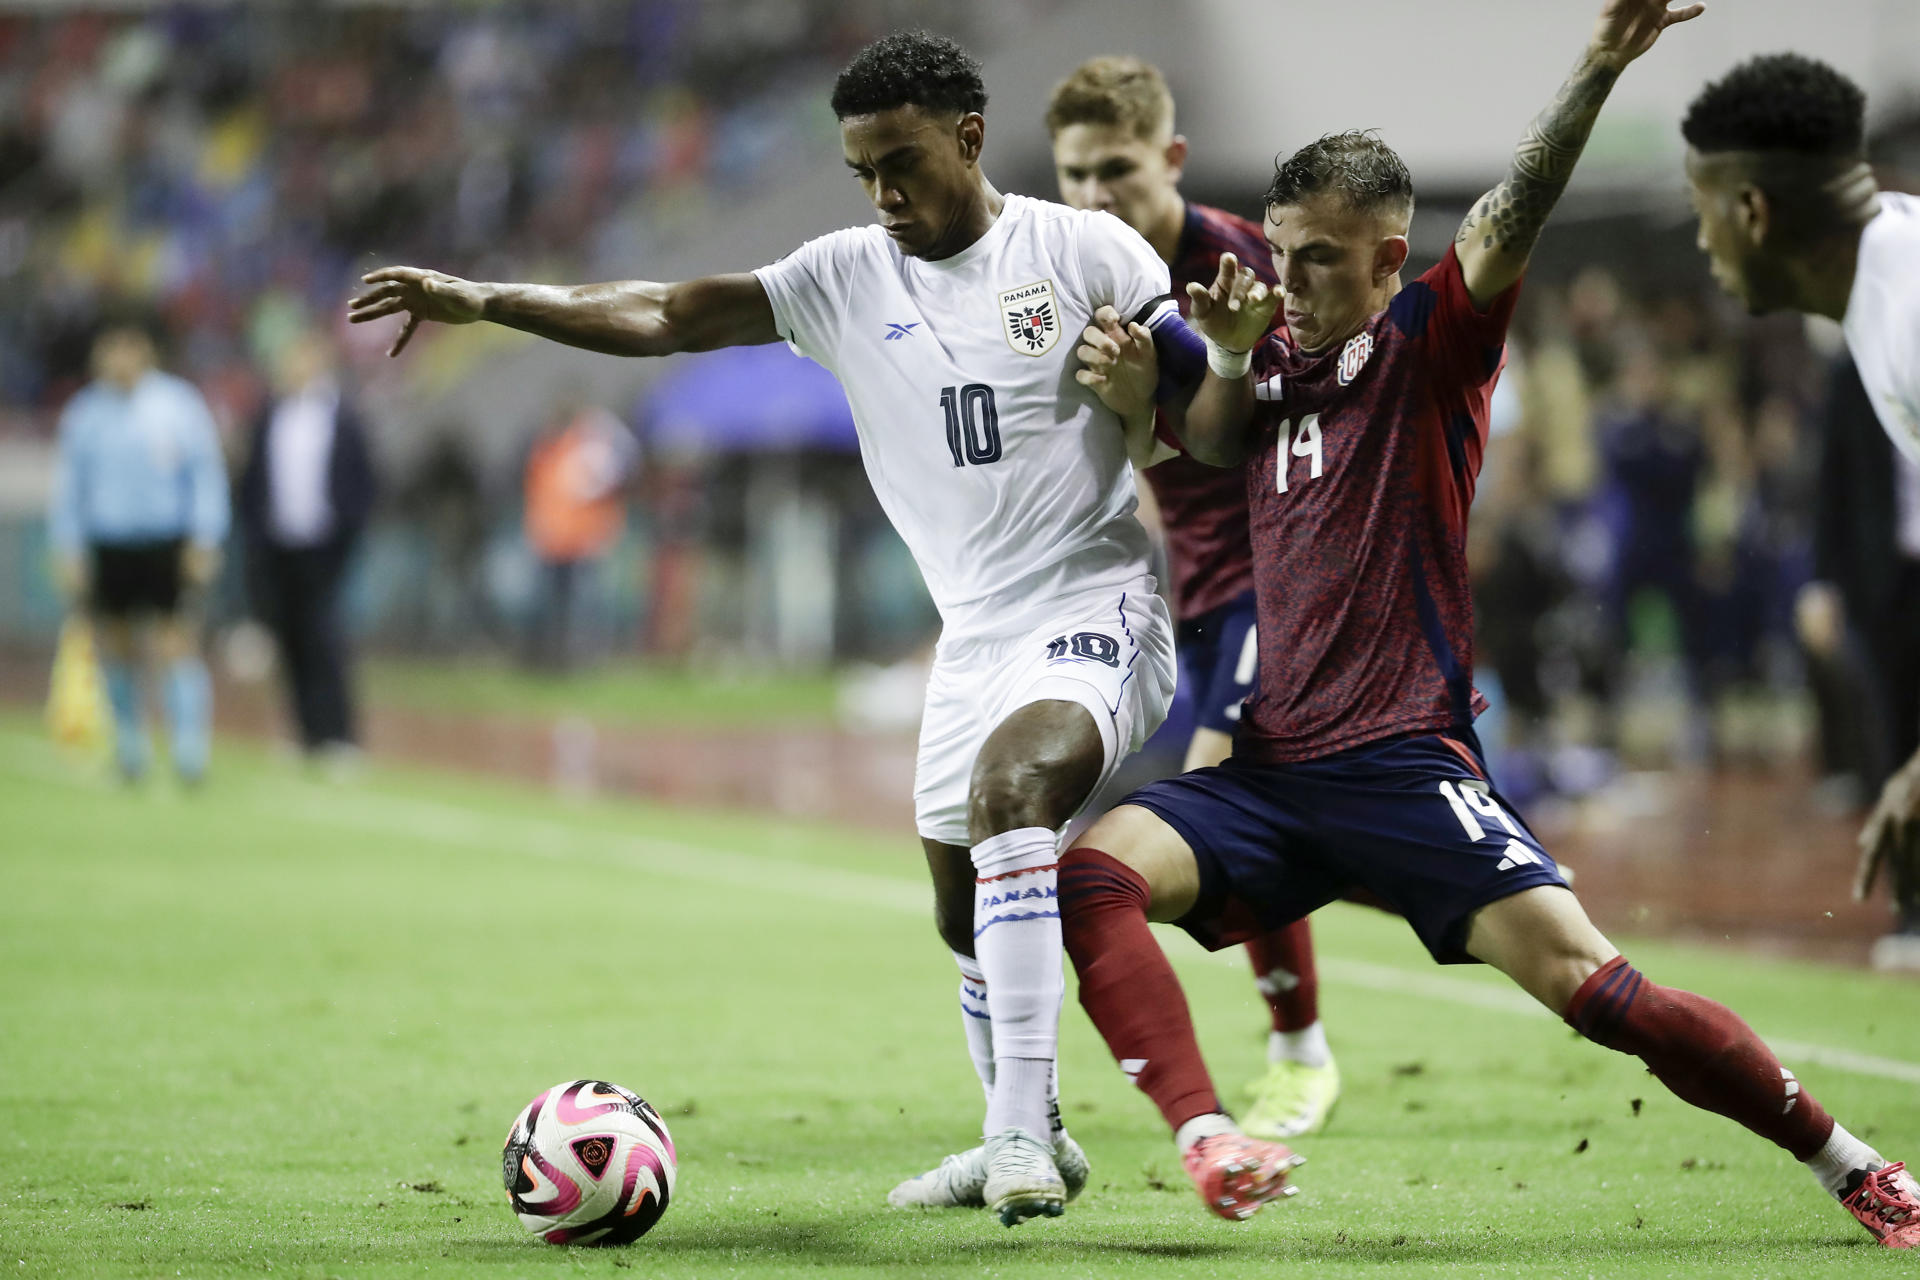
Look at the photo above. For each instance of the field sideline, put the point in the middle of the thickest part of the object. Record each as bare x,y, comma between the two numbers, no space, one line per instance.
280,1027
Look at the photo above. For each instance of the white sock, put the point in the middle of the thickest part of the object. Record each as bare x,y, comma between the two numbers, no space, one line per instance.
976,1020
1020,1097
1210,1125
1016,936
1842,1157
1308,1046
1056,1127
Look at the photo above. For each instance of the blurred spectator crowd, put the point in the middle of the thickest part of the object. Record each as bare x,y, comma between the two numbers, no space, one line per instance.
236,165
1645,529
1650,536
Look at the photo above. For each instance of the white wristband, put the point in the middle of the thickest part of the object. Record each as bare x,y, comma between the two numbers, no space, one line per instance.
1231,365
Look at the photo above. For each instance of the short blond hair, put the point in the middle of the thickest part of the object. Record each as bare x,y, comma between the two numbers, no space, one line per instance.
1122,91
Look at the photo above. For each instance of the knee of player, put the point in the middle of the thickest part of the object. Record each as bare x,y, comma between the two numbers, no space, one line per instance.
1559,966
1038,790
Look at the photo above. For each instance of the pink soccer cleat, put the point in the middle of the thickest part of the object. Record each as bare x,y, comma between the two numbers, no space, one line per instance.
1236,1174
1887,1203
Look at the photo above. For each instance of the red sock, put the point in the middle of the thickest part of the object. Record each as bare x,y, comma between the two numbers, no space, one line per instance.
1283,968
1702,1051
1128,988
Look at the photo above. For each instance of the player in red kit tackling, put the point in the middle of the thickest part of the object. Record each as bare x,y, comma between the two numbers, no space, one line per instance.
1356,766
1115,149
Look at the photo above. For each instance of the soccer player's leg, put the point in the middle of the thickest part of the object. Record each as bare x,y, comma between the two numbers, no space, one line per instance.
1700,1050
1133,866
950,735
1476,884
188,693
952,729
1301,1084
113,588
1076,697
1037,766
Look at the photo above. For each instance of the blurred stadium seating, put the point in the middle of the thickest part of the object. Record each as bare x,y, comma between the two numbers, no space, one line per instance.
1643,525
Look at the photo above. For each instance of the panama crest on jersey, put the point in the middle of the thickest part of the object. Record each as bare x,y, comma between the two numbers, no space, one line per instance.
1353,357
1032,318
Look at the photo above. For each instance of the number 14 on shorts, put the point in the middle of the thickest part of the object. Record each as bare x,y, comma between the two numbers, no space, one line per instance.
1470,802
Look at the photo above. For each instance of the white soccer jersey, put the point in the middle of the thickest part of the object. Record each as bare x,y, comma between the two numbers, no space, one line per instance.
1882,323
1008,480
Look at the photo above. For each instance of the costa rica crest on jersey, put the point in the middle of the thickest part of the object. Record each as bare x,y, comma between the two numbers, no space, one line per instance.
1353,357
1032,318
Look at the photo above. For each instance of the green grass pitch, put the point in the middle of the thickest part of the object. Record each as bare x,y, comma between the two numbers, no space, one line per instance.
280,1027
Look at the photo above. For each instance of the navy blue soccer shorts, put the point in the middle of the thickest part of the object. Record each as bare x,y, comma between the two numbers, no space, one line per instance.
1411,821
1219,663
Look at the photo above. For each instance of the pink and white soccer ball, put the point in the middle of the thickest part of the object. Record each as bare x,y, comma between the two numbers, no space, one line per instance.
588,1162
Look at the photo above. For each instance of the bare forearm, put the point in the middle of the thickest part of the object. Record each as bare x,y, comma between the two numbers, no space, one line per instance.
639,317
622,318
1215,430
1500,231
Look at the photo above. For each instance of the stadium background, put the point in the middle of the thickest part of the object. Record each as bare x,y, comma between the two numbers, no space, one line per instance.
279,1023
1643,525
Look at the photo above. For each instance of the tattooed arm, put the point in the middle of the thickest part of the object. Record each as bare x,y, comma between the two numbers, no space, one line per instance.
1498,235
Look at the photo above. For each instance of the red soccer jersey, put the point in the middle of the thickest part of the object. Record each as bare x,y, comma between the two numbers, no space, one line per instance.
1204,508
1363,466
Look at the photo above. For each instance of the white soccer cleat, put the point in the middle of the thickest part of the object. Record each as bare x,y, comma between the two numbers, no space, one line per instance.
961,1180
1022,1180
1073,1165
957,1184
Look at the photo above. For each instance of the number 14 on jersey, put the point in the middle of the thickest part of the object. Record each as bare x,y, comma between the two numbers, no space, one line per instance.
1297,441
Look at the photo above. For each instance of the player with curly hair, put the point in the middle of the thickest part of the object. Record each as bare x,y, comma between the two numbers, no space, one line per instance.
1792,220
1008,480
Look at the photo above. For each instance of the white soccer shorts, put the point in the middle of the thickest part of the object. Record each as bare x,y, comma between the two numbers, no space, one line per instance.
1114,658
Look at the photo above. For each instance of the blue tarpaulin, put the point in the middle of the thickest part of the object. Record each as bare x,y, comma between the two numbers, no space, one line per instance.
746,400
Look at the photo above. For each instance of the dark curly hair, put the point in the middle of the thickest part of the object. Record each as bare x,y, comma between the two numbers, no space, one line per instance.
1356,165
1779,102
910,68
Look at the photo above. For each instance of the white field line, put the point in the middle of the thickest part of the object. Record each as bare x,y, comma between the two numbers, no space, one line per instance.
369,812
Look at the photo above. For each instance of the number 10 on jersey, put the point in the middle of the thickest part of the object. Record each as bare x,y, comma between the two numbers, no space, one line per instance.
973,424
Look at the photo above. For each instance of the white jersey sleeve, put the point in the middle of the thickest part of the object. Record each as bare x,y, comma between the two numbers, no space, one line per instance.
1118,267
811,292
1882,322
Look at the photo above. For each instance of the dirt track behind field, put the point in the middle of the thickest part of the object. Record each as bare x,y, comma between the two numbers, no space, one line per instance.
1740,857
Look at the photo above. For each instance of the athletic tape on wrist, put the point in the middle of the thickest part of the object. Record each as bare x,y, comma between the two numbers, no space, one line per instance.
1231,365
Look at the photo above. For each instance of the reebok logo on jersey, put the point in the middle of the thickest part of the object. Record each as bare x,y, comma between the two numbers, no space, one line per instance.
897,331
1033,326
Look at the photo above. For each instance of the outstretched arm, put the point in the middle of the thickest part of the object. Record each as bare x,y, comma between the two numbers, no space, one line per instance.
1500,230
625,318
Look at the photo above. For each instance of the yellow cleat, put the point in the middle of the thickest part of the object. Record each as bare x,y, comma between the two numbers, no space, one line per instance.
1291,1100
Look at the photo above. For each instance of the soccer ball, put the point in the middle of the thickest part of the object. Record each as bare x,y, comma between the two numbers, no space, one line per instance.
588,1162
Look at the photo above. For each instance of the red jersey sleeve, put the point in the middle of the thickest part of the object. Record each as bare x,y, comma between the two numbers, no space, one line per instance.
1467,345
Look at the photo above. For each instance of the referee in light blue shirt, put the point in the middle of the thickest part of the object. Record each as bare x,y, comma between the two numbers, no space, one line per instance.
139,511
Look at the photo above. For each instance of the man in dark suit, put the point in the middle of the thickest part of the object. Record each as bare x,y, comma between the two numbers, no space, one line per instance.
1865,604
305,496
